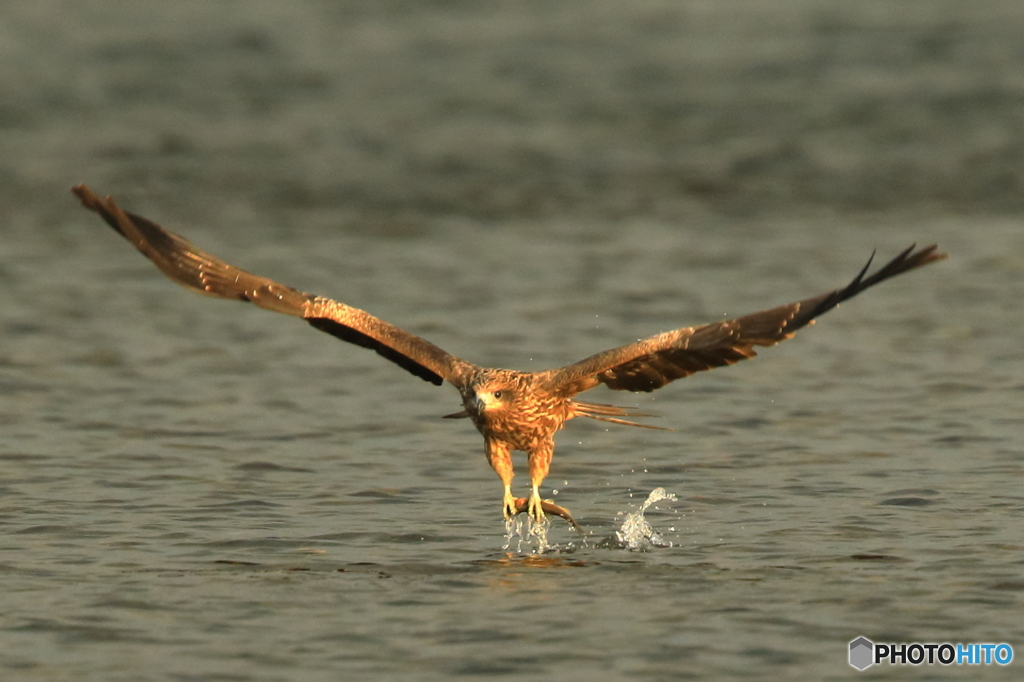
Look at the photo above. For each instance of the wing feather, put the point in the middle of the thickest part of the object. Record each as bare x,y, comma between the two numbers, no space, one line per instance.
206,274
652,363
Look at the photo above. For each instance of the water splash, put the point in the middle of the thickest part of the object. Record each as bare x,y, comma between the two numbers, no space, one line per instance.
523,535
531,537
635,533
523,529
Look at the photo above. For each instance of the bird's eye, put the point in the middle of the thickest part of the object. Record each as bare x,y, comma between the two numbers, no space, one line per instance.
497,394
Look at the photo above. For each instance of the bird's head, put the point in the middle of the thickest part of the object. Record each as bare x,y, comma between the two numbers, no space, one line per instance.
492,392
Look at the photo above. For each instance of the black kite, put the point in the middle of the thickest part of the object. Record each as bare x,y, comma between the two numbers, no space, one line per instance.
513,410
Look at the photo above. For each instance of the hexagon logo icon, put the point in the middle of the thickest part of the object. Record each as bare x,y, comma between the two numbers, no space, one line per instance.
862,652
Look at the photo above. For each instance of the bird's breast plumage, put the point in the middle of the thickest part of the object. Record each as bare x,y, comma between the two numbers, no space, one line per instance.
524,417
527,423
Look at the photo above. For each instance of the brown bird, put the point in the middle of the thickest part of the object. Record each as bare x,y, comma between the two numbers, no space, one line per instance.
513,410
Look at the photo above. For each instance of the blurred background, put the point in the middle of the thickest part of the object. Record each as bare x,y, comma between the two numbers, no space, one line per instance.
405,111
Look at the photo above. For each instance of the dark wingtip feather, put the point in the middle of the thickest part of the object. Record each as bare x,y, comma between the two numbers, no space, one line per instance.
905,260
95,204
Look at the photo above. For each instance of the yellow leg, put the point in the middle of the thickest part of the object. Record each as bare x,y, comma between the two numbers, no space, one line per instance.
540,462
500,459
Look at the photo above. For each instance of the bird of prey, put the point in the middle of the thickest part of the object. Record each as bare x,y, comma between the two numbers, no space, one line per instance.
513,410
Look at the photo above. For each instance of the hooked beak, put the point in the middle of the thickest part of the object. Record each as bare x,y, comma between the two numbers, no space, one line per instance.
476,405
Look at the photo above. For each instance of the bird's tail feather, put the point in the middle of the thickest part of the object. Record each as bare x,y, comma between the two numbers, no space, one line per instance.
609,413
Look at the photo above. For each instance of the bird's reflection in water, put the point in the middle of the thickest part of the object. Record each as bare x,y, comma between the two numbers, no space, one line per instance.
538,576
514,561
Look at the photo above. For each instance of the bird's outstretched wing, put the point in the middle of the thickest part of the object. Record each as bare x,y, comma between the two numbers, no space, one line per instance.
651,363
206,274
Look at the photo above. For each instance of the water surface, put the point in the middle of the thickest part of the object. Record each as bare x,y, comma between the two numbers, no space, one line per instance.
194,489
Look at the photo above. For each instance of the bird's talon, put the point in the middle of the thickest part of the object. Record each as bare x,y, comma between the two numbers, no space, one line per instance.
535,509
550,509
509,507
